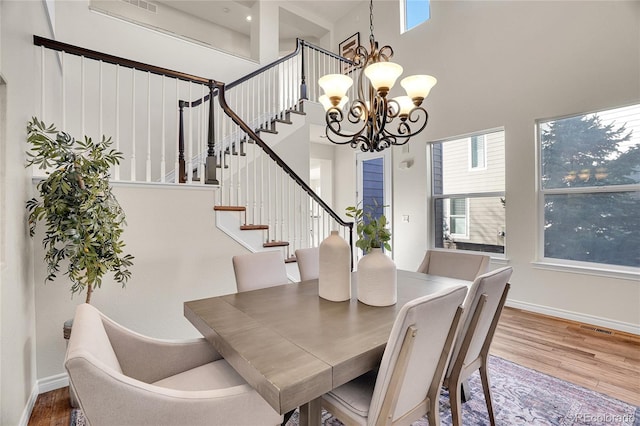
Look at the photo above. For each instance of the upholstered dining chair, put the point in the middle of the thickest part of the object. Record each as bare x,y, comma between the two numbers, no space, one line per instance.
407,384
123,378
482,309
259,270
308,260
454,264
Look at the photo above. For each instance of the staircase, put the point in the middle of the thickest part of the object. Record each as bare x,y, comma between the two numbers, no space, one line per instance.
227,135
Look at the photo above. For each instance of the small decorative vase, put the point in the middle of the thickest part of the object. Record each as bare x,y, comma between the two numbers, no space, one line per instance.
377,279
334,272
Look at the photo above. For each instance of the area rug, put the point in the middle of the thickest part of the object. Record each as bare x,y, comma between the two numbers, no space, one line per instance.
521,396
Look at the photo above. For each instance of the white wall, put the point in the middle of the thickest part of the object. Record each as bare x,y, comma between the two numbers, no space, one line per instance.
17,321
182,24
77,25
179,254
508,64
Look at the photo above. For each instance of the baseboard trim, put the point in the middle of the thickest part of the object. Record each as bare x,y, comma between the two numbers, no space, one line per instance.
53,382
575,316
41,386
26,413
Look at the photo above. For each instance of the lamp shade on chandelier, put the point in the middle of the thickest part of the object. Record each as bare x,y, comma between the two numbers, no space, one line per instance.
372,121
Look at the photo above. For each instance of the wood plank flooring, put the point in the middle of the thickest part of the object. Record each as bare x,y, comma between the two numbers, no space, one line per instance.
606,361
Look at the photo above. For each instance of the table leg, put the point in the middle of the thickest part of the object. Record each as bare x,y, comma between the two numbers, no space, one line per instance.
311,413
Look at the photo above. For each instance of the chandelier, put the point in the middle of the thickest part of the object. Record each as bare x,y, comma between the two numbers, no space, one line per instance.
373,121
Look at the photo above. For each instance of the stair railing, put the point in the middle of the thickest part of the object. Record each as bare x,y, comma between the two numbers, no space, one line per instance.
85,92
135,103
290,210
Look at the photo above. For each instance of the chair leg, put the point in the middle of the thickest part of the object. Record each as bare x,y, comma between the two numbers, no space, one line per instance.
433,415
456,403
484,376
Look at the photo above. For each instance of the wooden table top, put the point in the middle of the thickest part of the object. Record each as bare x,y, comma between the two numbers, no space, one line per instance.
293,346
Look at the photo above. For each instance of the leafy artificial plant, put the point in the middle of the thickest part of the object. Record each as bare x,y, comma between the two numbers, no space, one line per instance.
372,230
84,221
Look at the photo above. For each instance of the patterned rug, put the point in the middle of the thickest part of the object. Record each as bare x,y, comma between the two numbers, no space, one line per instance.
521,396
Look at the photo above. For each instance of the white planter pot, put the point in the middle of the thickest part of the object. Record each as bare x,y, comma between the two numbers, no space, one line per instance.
334,273
377,279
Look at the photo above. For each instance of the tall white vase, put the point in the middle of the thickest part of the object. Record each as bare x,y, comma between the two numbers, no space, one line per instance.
377,279
334,274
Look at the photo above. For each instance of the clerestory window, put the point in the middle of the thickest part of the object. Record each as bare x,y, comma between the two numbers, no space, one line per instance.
413,13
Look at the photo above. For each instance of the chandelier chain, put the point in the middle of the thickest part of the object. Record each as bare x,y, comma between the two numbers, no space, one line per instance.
371,38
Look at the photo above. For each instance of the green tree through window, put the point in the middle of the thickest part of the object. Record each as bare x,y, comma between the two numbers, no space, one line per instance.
590,176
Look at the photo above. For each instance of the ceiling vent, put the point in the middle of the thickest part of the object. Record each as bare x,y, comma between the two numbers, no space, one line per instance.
142,4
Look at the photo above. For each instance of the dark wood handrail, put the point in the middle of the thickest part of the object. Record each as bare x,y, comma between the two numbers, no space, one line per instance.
116,60
299,44
277,159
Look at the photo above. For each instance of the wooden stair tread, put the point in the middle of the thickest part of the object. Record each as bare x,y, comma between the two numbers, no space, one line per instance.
281,120
276,244
253,227
291,259
230,208
274,132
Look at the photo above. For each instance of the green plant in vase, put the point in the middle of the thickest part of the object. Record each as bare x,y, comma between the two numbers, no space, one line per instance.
84,221
372,231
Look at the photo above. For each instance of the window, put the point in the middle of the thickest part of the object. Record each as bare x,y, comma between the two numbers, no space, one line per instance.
590,187
414,13
458,217
468,199
477,152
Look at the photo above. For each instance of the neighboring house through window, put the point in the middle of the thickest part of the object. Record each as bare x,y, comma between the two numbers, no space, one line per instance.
590,188
413,13
468,202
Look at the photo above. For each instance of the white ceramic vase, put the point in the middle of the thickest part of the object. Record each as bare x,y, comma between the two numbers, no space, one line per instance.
377,279
334,273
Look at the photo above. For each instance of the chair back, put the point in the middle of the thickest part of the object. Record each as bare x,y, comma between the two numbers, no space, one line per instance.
482,309
413,363
308,260
454,264
259,270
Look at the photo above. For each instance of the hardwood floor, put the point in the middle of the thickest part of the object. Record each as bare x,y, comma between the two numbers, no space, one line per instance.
606,361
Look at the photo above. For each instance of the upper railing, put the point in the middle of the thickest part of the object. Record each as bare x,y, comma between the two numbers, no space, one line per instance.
217,142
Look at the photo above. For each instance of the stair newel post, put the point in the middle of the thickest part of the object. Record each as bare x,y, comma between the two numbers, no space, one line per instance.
181,164
210,167
303,82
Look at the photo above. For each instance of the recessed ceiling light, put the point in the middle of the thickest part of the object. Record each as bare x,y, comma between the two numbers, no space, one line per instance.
248,18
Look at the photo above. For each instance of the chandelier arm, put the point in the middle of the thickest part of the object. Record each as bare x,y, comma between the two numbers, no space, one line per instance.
334,118
404,129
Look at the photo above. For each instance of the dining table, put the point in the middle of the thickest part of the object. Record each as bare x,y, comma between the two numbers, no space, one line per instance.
292,346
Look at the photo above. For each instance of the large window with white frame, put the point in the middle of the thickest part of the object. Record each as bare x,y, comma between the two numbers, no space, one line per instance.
468,192
589,187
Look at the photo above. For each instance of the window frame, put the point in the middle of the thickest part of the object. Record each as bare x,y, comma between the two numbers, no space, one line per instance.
432,198
566,265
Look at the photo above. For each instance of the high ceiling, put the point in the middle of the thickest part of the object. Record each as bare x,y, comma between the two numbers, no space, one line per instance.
306,19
